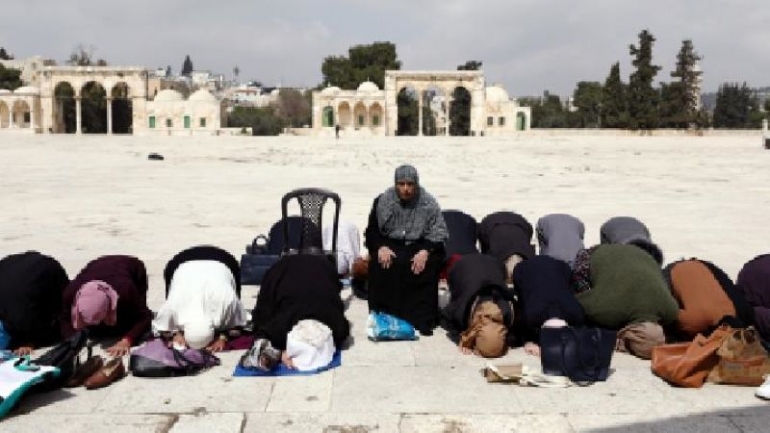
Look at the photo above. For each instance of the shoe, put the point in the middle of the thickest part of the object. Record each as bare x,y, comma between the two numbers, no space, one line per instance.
764,390
112,371
84,371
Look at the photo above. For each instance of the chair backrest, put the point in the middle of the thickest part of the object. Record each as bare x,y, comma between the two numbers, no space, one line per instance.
311,205
462,232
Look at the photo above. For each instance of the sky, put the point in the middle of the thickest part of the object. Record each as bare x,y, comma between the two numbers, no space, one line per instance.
528,46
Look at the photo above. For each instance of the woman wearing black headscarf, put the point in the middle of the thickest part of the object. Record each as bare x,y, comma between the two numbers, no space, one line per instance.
405,238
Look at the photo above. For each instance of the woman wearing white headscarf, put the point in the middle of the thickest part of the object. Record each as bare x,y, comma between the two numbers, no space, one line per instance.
202,304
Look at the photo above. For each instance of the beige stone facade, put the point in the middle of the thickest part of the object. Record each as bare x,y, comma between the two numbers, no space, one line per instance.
369,110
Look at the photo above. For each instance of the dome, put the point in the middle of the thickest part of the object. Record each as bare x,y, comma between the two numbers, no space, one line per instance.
330,91
496,93
29,90
202,95
367,87
168,95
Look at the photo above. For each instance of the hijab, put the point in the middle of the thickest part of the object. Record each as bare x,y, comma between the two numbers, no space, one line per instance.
418,218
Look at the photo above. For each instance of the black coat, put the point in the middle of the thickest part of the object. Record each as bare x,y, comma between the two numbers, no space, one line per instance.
31,287
473,276
299,287
502,234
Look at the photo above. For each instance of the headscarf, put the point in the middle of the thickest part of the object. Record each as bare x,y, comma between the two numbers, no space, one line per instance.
95,302
486,334
201,299
631,231
560,236
415,219
639,339
310,345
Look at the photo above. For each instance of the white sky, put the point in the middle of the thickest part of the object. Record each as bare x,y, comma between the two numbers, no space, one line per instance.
527,45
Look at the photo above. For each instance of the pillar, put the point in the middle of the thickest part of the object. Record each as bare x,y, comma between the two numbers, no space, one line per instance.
419,113
109,115
78,115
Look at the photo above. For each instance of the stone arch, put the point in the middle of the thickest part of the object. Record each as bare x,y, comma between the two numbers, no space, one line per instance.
121,109
460,112
21,114
5,115
327,116
376,115
344,114
360,115
64,108
93,108
408,117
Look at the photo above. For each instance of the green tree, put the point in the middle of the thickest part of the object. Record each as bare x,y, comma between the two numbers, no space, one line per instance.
614,111
642,97
737,106
679,99
547,111
187,66
470,65
460,109
408,123
587,99
364,62
293,108
10,79
4,55
262,121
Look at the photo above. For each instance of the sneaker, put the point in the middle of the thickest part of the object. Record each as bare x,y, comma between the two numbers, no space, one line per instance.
764,390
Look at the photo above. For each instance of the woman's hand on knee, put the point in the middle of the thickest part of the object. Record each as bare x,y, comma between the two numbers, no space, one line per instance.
385,257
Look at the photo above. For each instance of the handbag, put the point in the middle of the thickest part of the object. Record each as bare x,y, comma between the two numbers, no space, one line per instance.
156,359
688,364
582,354
64,356
742,360
256,261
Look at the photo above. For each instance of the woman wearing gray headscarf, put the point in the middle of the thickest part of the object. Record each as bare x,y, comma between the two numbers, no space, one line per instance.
405,238
560,236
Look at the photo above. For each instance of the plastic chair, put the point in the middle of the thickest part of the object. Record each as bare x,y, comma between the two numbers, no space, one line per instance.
311,203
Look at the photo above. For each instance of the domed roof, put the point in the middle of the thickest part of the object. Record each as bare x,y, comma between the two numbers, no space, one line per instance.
202,95
29,90
368,87
330,91
168,95
496,93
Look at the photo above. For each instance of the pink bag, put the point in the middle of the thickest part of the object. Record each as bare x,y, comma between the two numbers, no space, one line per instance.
156,359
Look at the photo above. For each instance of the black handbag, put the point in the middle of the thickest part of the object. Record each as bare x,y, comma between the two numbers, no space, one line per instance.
65,357
256,261
582,354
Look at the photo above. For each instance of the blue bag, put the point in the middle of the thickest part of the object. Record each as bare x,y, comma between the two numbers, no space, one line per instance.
384,327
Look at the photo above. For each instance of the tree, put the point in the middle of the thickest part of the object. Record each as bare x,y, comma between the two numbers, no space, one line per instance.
642,97
4,55
460,109
293,108
84,56
187,66
364,62
10,79
168,71
737,106
614,111
262,121
547,111
470,65
236,72
679,105
587,99
408,122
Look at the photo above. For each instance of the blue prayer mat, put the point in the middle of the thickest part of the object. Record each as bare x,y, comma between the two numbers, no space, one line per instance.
283,370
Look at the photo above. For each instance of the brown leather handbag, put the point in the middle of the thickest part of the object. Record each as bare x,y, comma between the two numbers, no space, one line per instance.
688,364
742,360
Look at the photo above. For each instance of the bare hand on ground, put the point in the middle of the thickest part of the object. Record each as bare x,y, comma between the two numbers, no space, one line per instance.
179,340
385,257
531,348
465,350
217,346
23,350
119,349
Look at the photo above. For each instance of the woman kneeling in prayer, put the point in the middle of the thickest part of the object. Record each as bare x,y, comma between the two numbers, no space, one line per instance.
109,298
202,299
31,286
480,313
299,317
542,286
405,238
